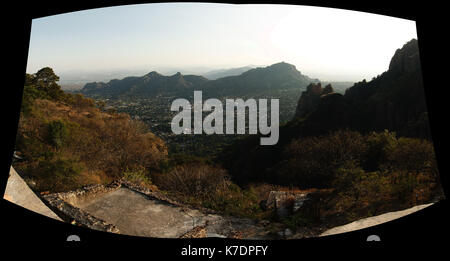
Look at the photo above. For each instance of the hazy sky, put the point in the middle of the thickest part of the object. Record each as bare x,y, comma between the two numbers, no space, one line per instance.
324,43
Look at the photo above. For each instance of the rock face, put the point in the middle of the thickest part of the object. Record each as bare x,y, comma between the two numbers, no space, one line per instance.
284,202
395,100
406,59
310,99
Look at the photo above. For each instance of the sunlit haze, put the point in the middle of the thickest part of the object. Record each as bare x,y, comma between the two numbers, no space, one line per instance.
323,43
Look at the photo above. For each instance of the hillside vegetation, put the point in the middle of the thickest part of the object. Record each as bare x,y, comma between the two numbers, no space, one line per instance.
67,141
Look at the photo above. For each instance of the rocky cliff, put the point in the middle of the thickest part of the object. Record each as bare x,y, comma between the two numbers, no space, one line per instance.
395,100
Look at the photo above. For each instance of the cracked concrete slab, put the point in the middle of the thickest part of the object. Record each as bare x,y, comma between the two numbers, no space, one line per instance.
134,214
126,208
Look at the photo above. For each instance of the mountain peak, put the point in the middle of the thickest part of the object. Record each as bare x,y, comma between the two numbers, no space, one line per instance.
283,65
153,74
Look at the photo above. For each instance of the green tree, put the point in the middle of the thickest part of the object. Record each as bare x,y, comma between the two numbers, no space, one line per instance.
45,80
41,85
57,133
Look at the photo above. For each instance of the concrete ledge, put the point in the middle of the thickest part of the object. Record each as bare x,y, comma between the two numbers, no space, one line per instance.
64,203
373,221
18,192
67,203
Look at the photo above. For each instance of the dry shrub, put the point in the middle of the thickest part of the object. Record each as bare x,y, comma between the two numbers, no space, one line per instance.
313,161
89,177
140,177
194,180
262,190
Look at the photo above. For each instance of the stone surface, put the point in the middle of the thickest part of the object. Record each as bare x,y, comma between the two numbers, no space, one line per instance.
18,192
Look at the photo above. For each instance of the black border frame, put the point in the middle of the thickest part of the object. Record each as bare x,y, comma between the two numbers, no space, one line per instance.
423,228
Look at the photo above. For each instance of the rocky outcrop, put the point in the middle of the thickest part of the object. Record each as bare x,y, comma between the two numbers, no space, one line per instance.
284,202
310,99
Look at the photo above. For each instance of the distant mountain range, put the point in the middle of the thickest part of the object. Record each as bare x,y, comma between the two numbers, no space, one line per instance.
279,76
150,84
